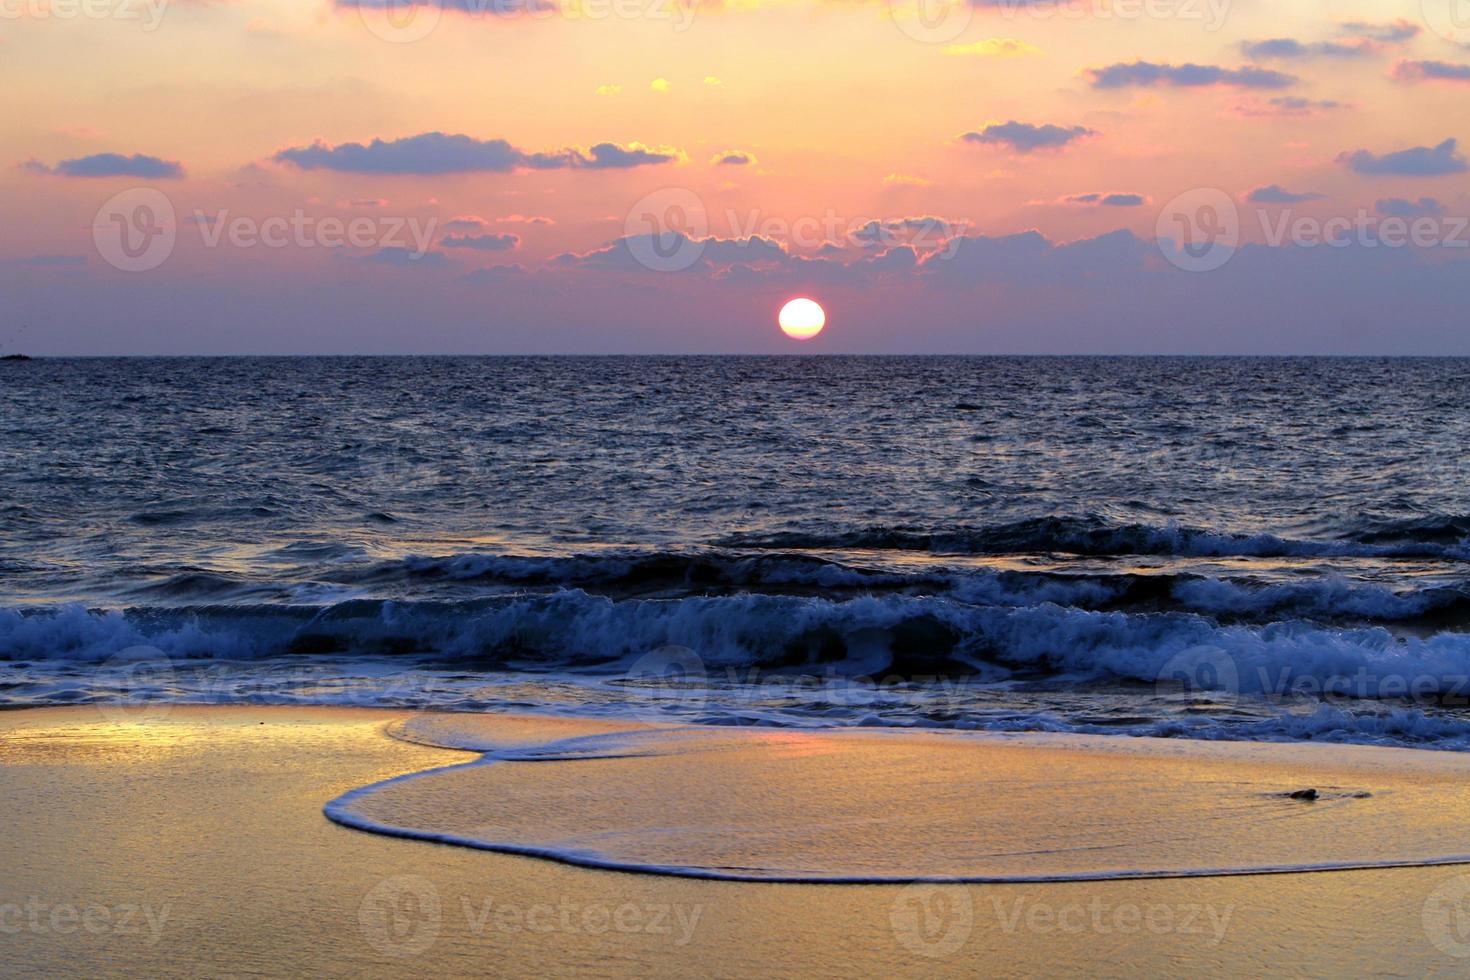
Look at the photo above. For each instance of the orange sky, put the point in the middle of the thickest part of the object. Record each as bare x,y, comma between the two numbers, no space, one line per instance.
842,112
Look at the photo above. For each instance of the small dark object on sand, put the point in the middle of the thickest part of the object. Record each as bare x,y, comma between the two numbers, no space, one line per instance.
1303,794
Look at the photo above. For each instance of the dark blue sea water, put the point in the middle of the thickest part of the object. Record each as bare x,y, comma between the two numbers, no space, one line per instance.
1219,548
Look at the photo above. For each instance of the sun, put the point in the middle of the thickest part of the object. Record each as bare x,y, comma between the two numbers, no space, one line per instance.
802,319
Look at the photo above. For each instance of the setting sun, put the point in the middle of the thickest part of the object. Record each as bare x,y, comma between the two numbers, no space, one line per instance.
802,319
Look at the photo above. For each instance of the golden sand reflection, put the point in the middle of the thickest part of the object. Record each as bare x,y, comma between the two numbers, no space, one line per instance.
868,804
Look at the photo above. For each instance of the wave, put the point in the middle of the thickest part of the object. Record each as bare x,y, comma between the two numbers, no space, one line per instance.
1451,529
907,636
1328,598
635,571
1095,536
674,574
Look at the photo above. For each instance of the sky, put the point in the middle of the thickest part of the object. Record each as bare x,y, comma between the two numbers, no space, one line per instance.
660,176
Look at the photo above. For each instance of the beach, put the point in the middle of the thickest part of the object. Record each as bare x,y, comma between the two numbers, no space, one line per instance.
180,840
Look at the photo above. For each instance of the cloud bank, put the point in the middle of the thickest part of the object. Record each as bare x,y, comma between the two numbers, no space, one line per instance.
113,165
1418,161
1145,74
1027,138
430,154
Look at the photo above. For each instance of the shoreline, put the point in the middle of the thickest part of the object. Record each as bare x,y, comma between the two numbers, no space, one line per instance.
214,814
483,734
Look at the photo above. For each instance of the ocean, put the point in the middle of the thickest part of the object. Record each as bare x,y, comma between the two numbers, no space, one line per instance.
1221,548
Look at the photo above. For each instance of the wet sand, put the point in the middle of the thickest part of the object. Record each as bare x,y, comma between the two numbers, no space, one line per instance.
192,841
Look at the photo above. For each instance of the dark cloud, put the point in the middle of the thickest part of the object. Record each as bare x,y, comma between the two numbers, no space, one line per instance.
1027,138
611,156
1276,194
1289,105
981,258
1419,161
1146,73
1295,103
626,254
1398,207
429,153
484,243
1357,39
465,222
1017,294
1107,200
734,158
406,258
443,153
1396,32
50,262
496,273
753,260
1431,71
1287,48
113,165
922,231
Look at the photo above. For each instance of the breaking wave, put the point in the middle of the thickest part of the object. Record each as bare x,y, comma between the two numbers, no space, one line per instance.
1444,537
906,635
